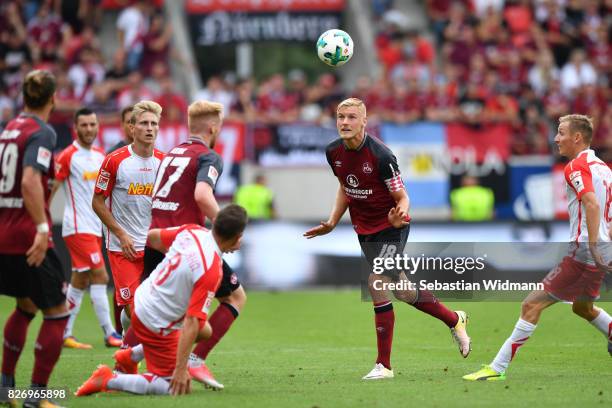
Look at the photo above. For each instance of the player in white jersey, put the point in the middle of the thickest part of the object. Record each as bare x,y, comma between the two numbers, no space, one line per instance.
578,278
122,201
76,169
177,295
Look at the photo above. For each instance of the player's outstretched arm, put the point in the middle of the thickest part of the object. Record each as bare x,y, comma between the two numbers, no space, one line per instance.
34,201
155,241
592,213
205,198
102,211
340,206
181,380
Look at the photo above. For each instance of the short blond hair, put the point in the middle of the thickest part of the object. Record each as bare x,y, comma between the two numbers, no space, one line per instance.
146,106
204,110
352,102
579,124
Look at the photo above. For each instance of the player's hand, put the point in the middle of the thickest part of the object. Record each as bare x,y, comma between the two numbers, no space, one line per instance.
324,228
599,261
181,382
397,217
127,245
37,252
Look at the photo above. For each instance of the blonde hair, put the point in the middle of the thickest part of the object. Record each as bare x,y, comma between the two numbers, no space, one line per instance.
205,110
352,102
143,107
579,124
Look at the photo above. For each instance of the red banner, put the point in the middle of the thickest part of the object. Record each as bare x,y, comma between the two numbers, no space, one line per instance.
209,6
484,144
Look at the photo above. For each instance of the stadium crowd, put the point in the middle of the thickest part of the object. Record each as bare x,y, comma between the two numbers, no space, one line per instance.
521,63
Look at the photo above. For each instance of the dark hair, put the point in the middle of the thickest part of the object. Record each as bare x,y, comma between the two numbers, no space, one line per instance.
230,222
125,111
82,112
38,88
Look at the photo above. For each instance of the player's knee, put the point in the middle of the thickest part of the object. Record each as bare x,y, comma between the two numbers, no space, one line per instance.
529,308
237,298
79,280
405,296
99,277
27,305
205,332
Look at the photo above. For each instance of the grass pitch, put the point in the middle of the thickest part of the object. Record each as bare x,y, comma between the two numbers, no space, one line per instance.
310,349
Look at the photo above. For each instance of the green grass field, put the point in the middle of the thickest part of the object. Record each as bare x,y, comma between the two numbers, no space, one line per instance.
310,349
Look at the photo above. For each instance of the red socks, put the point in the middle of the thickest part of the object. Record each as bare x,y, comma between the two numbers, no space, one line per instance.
48,348
384,318
15,331
220,321
428,303
117,313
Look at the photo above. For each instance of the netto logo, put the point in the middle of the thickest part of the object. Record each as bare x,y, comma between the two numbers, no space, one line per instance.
140,189
352,180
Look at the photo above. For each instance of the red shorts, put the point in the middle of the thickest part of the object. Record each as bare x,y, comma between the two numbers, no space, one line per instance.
85,251
159,350
572,280
126,275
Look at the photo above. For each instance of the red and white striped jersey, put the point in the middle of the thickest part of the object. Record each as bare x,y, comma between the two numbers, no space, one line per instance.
587,173
184,283
126,180
77,167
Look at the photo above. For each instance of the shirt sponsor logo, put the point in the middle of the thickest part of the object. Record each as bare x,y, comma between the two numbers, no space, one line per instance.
145,169
367,168
140,189
11,202
358,193
576,180
213,174
352,180
169,206
338,163
90,175
44,157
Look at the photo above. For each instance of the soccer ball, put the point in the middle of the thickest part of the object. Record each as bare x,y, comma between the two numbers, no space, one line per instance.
335,47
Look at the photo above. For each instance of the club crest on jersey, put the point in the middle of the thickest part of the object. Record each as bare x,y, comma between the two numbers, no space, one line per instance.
367,168
352,180
125,293
95,257
576,180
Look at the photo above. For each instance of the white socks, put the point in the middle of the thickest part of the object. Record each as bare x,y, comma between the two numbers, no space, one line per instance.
74,297
139,384
125,321
603,322
99,298
137,353
521,333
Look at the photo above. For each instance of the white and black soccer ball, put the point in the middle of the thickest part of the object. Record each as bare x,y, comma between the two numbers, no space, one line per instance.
335,47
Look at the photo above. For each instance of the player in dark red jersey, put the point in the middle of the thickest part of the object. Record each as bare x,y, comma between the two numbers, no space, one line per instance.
183,194
31,271
372,189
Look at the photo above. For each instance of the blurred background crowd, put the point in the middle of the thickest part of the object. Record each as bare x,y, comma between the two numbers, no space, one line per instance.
518,62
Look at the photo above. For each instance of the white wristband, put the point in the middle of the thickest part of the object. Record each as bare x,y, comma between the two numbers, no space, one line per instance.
42,228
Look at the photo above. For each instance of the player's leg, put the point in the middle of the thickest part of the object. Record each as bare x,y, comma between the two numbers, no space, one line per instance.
103,379
79,281
14,282
384,321
531,309
597,317
98,290
46,289
428,303
232,298
126,275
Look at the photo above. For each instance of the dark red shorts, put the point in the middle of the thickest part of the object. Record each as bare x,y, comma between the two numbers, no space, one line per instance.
572,280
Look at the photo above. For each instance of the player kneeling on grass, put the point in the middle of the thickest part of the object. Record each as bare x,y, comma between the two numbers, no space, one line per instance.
178,293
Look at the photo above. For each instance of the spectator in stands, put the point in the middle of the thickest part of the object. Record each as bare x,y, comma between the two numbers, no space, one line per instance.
215,91
14,54
103,103
74,43
442,102
173,103
472,202
45,33
274,104
402,105
472,106
556,103
132,26
156,44
531,133
134,91
578,71
543,73
87,72
7,107
243,108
